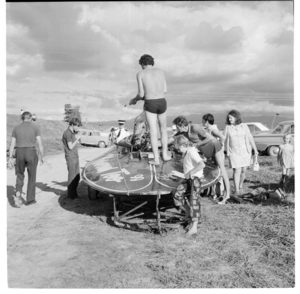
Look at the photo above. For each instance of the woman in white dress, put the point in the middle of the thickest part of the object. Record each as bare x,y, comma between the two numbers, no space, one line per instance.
238,143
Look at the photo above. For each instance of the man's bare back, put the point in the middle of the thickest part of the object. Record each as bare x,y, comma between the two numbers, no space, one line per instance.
152,88
151,83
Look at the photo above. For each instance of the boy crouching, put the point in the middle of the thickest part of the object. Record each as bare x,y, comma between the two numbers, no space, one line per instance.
193,166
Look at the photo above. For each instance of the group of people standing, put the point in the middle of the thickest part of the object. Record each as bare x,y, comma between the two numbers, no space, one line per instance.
206,138
190,139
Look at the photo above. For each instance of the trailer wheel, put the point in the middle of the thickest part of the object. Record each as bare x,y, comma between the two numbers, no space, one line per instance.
93,194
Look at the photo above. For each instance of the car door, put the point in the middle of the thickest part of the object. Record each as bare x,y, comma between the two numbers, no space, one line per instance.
291,130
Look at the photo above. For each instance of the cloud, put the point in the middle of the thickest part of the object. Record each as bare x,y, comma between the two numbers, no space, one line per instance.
285,37
214,39
65,44
87,53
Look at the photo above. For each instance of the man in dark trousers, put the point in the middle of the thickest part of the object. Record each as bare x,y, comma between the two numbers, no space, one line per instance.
70,140
24,138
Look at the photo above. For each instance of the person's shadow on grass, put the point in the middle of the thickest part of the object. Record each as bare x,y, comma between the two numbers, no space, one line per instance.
100,208
44,187
10,192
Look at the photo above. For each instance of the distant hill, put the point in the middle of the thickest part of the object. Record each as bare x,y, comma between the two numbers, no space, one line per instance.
219,120
52,130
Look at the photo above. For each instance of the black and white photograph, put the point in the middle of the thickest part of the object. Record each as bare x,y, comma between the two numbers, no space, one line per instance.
149,145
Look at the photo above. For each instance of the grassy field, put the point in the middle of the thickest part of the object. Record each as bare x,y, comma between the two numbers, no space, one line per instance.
249,245
238,245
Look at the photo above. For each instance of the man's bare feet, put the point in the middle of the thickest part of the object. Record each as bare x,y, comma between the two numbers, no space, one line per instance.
193,229
153,162
224,200
166,157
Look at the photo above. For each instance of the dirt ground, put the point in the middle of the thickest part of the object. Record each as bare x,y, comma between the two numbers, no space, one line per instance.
62,243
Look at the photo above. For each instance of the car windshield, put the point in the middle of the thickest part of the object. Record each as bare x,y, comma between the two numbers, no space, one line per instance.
278,129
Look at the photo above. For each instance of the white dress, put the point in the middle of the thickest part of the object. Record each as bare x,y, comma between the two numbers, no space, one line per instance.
238,153
286,156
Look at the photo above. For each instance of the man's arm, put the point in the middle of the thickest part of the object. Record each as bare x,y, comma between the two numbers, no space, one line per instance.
12,147
218,134
72,145
141,93
41,147
202,133
200,166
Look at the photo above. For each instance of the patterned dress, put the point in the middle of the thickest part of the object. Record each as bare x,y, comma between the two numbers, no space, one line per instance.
238,153
286,156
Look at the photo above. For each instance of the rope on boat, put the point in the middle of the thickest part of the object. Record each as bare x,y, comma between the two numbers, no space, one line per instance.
123,175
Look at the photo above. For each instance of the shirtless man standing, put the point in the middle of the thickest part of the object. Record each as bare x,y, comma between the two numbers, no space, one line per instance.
151,88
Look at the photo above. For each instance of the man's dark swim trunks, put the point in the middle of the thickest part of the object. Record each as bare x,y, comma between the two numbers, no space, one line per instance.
158,106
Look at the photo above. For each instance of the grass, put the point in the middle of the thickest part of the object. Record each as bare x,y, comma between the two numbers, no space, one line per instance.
237,245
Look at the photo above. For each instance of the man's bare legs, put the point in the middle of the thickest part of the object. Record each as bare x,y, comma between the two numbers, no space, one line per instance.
219,157
162,118
151,120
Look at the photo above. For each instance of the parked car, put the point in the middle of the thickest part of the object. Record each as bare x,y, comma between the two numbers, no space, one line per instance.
93,137
256,127
269,141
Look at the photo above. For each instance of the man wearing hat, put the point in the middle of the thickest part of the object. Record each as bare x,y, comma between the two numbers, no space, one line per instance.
24,138
121,132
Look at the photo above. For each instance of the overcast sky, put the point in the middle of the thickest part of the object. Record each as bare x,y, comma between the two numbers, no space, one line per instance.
217,56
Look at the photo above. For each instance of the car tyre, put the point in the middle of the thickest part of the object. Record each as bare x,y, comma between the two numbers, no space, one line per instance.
273,151
101,144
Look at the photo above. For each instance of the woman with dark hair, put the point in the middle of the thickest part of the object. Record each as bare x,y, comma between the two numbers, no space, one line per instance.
238,143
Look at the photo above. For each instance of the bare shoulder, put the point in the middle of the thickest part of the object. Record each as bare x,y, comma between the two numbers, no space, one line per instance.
140,73
159,71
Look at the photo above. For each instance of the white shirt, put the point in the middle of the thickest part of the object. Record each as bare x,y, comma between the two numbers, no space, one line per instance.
191,160
120,134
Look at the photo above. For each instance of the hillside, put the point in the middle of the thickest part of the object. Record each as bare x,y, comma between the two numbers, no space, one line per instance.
219,120
52,130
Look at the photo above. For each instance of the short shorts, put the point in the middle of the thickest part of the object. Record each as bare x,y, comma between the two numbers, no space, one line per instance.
211,148
158,106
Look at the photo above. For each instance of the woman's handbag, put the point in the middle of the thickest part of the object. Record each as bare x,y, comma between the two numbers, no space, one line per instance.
255,163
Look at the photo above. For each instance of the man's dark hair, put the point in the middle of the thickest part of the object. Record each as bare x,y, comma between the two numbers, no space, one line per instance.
235,114
208,117
26,115
74,121
180,121
146,60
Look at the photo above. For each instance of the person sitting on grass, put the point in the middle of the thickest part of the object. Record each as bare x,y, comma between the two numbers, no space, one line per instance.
193,166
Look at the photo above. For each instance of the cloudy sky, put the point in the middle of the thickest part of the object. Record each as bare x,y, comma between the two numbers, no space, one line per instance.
216,56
